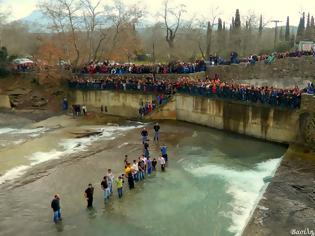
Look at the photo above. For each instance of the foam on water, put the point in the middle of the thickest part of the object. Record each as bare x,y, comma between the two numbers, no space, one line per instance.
6,130
23,131
245,187
8,136
13,173
65,148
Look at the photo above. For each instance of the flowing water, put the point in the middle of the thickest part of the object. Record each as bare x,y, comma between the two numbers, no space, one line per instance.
213,181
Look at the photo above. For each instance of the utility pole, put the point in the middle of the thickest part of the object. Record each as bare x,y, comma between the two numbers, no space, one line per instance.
276,31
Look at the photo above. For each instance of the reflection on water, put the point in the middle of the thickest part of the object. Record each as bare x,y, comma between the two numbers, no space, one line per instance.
210,187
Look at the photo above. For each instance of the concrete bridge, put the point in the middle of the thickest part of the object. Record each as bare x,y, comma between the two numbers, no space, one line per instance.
255,120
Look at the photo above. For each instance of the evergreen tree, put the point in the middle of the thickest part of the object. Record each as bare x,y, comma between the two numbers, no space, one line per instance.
220,27
260,29
281,34
312,28
237,22
308,32
233,24
3,54
220,37
292,41
308,20
301,28
287,30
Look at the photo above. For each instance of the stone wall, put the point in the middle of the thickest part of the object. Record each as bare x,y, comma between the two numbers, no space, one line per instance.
286,72
272,124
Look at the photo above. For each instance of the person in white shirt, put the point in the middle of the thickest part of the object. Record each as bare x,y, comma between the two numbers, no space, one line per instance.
162,163
84,110
144,159
111,178
135,170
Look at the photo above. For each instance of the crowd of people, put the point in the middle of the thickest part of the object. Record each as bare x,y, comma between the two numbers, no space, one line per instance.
97,67
105,67
212,88
135,171
253,59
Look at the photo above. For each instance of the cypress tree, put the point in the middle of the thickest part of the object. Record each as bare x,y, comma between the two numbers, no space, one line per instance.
237,22
233,24
308,20
287,30
220,27
260,26
312,28
301,28
220,37
281,34
308,33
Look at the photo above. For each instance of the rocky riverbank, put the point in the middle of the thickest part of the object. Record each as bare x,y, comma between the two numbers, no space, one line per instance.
288,205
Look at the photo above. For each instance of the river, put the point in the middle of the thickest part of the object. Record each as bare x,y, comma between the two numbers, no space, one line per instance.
213,181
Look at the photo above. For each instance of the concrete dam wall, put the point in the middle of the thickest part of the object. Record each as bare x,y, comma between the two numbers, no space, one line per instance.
268,123
272,124
114,103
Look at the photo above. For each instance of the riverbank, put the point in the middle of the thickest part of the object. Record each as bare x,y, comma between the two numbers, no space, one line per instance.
287,206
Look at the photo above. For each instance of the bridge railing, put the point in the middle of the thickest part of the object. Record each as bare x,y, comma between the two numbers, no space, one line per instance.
290,101
147,88
275,100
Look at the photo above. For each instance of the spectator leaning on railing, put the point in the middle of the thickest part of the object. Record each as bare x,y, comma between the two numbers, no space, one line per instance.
212,88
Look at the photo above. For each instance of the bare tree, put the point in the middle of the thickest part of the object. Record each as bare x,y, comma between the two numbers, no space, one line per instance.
65,17
121,16
208,27
172,28
92,21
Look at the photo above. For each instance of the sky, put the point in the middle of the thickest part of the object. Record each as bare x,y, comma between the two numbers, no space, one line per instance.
270,9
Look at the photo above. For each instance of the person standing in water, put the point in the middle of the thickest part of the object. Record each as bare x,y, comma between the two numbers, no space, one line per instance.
154,162
135,171
156,128
104,185
126,160
140,168
55,205
149,166
144,135
120,183
146,152
162,163
89,195
111,178
128,172
164,152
